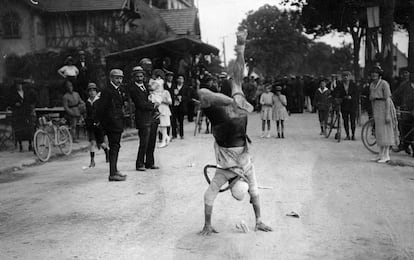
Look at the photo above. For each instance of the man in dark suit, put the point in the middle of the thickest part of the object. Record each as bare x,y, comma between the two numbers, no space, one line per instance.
179,100
145,120
110,115
347,91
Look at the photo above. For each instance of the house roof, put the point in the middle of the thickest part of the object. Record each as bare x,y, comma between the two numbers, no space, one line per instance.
165,47
181,21
77,5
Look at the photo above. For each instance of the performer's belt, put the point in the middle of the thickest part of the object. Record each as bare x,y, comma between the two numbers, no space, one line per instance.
379,99
265,105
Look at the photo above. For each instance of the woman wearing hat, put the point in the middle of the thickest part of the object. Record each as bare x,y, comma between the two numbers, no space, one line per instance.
69,71
280,113
95,133
386,124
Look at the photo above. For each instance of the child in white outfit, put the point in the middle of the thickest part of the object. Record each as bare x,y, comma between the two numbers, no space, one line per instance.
163,98
266,100
280,113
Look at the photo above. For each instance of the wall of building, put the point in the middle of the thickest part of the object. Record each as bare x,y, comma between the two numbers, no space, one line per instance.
30,40
399,60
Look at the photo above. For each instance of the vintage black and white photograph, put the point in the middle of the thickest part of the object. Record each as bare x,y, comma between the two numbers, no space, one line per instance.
206,129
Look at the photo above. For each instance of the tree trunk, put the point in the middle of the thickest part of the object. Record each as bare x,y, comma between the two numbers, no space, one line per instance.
387,25
355,57
411,39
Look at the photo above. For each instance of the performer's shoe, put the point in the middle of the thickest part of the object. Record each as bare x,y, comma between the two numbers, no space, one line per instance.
116,178
140,168
353,138
262,135
120,174
347,137
385,160
153,167
283,135
268,135
162,145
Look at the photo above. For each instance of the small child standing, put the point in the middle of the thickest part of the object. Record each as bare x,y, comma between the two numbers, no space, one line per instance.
95,133
280,113
322,96
266,101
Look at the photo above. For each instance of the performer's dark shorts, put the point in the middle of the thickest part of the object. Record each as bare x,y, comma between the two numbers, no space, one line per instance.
95,134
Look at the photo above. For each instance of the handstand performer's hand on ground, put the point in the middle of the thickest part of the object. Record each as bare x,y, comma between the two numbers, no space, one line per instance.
260,226
208,230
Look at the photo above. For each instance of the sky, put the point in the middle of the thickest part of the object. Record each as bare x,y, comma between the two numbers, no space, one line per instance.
219,20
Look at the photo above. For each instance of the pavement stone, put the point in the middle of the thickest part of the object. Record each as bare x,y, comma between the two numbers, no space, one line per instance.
12,160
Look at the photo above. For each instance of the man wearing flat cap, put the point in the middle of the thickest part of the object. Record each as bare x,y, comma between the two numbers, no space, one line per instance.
111,118
145,120
347,91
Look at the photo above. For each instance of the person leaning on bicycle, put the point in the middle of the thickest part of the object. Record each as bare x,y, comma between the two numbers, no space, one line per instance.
403,97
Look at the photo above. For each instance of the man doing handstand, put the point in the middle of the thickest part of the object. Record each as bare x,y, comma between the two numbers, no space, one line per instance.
228,117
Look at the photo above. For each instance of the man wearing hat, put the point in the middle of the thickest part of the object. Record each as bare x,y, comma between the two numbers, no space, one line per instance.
145,120
348,93
403,97
110,116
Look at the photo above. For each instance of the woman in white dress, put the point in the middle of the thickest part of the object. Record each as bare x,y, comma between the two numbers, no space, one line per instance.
280,113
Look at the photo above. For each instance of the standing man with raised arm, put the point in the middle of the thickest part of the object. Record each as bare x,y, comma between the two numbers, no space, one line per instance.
228,116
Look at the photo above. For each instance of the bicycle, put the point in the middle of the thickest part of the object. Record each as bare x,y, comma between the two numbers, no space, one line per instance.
369,140
43,139
334,120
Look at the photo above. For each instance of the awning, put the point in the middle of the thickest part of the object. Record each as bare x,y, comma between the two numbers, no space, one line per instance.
178,46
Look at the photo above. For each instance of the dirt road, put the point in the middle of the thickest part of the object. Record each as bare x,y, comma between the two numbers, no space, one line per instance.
349,207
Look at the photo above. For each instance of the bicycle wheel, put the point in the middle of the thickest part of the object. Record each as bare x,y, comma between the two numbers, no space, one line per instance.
338,133
64,139
330,124
42,145
368,136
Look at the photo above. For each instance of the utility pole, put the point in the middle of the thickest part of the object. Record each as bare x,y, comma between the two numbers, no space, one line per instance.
224,51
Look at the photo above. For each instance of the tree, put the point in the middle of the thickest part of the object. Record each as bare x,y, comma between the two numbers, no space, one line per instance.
321,17
275,44
322,59
404,16
318,59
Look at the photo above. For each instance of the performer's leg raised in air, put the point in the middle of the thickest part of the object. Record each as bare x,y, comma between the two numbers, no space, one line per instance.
228,117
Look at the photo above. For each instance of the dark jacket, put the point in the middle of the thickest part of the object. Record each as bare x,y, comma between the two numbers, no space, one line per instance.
144,109
171,90
184,93
349,105
91,119
322,99
109,109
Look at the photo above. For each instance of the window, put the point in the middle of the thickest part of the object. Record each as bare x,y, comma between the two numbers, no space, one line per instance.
79,25
11,25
